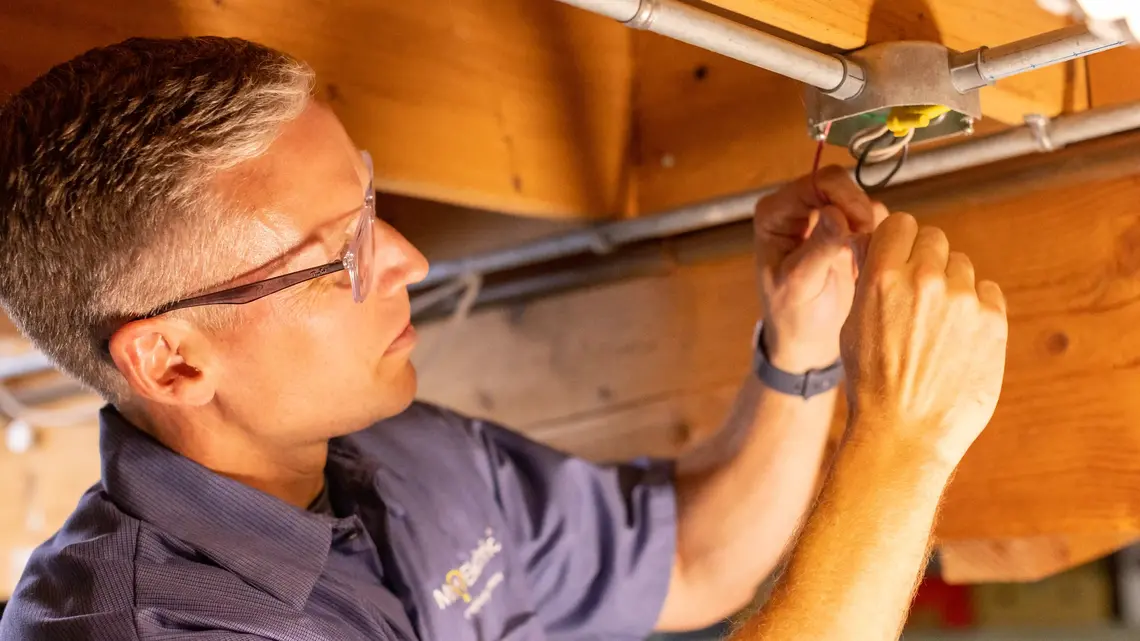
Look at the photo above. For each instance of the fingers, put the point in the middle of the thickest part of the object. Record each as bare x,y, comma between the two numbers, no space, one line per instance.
879,213
931,249
960,271
990,295
831,222
841,191
813,260
891,244
779,227
900,240
785,213
779,214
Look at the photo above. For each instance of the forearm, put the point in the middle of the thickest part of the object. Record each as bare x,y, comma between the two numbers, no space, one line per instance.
741,499
862,550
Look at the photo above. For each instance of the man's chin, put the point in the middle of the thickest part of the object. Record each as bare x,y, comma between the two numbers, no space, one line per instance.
399,389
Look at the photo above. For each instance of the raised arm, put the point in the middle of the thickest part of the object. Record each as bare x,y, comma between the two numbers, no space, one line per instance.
925,354
743,495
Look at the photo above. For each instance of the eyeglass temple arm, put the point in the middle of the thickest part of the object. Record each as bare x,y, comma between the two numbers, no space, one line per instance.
253,291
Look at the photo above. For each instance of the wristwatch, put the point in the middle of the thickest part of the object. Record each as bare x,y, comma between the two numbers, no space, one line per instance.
806,385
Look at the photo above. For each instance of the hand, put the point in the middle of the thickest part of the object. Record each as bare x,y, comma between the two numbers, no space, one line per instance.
924,347
806,270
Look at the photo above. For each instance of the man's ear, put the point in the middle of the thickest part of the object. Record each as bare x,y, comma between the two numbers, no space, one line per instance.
165,360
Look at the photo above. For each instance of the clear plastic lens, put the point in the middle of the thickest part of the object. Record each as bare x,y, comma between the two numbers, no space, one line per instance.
361,254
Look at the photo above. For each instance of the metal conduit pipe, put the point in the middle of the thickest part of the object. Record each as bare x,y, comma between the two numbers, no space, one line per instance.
1043,50
1039,135
985,65
835,75
602,238
1042,136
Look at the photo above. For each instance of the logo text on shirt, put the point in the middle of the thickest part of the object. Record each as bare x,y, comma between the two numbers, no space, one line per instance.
459,582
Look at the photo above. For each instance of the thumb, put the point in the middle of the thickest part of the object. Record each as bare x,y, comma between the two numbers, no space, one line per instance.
810,263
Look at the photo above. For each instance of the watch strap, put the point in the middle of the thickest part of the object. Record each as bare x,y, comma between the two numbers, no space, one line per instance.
805,385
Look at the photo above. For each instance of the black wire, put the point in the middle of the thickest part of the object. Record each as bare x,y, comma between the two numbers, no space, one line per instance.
863,162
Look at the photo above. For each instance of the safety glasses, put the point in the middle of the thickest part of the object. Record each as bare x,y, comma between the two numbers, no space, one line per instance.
357,259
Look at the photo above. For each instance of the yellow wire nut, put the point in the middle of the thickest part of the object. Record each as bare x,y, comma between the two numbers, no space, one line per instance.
903,120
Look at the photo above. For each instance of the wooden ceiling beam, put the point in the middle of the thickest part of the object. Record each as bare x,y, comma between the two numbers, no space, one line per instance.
512,105
1112,77
1025,559
525,107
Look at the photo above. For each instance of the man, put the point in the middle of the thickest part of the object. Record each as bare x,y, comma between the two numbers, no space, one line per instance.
189,233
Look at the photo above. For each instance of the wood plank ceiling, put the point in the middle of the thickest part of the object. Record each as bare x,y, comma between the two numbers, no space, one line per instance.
510,105
536,108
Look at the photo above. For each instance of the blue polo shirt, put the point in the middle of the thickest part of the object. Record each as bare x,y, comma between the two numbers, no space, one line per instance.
441,527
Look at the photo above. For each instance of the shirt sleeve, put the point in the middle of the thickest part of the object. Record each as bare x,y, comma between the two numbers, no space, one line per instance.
597,541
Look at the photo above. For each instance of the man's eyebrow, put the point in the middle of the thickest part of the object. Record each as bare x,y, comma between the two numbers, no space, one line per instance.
332,228
285,253
288,248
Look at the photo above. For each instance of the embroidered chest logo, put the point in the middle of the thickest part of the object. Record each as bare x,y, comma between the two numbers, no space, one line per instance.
460,584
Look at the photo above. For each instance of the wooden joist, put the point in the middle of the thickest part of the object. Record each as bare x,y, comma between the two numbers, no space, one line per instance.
1112,77
1024,559
510,105
537,108
709,126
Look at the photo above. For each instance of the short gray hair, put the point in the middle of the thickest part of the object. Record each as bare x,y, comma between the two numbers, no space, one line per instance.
105,161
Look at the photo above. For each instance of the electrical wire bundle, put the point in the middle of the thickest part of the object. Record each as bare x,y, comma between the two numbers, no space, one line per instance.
883,143
876,145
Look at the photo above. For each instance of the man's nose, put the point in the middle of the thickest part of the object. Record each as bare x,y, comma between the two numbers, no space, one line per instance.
398,263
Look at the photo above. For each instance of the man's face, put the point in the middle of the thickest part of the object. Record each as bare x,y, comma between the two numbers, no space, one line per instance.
309,362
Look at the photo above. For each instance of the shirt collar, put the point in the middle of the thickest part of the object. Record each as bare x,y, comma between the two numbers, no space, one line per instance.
275,546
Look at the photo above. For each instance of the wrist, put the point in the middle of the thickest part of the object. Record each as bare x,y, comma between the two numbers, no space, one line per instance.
794,377
908,451
798,356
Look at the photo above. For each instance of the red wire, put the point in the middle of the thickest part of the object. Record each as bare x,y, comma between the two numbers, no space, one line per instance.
815,166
